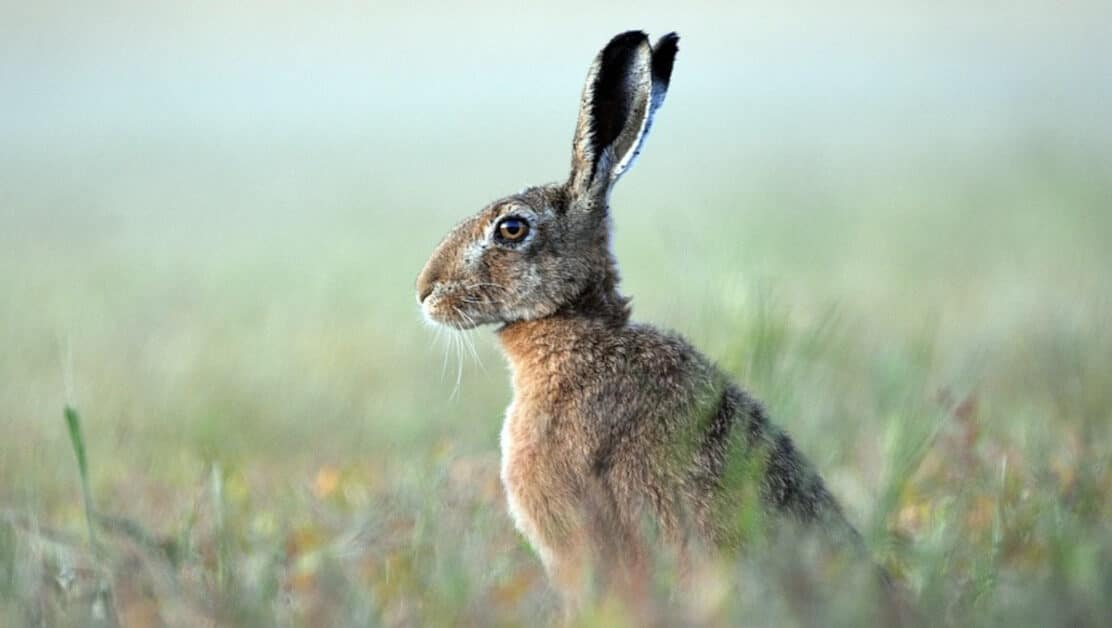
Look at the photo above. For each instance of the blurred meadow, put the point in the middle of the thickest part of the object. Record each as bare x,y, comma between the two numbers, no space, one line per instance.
891,224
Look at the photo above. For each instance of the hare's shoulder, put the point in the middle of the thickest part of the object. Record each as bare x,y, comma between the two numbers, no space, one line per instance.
646,362
646,349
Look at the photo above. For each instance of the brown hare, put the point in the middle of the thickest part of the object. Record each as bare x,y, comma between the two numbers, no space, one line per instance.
614,426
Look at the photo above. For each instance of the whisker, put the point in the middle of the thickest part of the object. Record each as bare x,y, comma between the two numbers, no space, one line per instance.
483,301
475,353
459,365
458,340
451,349
435,336
486,285
469,340
447,342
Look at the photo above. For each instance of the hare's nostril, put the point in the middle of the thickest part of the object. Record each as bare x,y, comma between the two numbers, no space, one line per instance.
423,293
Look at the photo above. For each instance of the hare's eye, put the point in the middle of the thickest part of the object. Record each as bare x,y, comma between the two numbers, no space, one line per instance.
512,229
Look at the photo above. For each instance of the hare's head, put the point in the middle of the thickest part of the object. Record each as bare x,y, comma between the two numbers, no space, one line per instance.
547,248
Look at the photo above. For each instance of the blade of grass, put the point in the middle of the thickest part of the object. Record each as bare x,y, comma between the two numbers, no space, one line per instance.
216,485
73,422
103,610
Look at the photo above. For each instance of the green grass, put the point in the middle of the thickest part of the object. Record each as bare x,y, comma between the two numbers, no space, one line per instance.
266,436
73,423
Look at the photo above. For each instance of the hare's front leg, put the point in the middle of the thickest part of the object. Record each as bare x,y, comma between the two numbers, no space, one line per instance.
586,576
571,573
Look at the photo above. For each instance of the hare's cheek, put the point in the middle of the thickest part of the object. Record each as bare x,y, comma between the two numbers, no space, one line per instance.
474,258
532,294
530,279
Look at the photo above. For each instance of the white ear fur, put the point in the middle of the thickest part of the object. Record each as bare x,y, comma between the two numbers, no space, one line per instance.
656,98
643,74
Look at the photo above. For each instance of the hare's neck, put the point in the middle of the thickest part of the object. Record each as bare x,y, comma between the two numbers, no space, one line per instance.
549,349
600,300
601,303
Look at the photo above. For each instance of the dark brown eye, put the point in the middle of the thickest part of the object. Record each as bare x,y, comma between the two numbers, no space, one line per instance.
513,229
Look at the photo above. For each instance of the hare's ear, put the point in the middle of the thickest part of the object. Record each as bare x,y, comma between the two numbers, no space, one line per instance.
625,86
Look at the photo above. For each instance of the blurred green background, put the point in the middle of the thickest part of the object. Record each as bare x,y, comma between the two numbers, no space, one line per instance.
891,223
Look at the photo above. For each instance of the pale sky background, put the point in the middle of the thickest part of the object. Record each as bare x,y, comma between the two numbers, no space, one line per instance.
205,114
99,71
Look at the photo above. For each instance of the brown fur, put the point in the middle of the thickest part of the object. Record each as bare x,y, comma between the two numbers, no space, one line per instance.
618,432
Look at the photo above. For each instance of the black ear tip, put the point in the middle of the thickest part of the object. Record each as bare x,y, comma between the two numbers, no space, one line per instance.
668,41
624,44
664,56
627,39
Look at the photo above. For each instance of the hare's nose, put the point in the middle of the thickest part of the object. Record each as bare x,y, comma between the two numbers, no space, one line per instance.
429,277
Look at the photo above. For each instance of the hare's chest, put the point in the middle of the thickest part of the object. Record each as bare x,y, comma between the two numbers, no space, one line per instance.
538,477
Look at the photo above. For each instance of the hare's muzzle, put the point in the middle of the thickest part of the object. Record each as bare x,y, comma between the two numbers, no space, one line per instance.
427,280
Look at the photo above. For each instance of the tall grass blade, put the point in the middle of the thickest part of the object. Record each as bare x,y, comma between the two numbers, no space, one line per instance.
103,611
73,422
216,486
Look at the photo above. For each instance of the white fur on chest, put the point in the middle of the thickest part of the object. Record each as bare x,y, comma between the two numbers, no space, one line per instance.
514,453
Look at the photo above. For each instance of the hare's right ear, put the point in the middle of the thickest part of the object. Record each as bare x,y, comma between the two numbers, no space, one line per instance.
625,86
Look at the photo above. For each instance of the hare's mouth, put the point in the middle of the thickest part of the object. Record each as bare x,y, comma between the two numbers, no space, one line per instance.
440,309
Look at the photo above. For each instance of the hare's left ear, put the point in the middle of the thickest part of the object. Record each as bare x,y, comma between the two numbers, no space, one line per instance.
625,86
